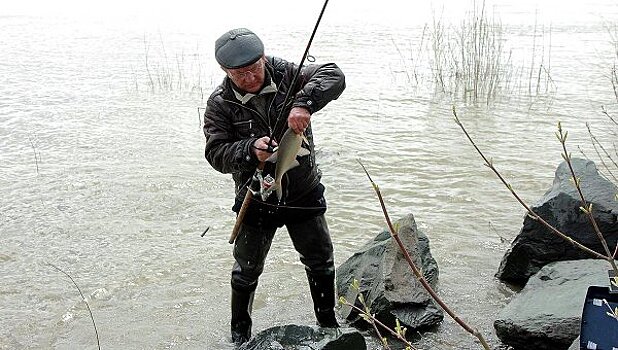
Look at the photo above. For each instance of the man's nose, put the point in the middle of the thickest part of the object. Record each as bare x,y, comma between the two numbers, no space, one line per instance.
250,76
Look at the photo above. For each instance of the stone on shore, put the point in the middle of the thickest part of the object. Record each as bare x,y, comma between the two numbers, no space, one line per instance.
386,281
298,337
546,314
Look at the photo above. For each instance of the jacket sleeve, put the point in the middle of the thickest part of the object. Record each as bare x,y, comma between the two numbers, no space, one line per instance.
223,151
320,84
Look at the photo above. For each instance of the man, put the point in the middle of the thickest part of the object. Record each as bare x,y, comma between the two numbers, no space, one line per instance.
242,115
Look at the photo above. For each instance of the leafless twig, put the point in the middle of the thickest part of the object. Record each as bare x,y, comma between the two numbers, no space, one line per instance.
399,331
417,272
586,208
596,144
84,299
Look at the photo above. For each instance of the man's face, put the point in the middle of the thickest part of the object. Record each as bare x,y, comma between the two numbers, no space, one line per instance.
250,78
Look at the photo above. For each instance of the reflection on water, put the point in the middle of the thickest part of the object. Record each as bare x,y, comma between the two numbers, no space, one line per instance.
122,193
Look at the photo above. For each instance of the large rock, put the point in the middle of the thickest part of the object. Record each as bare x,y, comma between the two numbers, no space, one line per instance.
536,246
296,337
546,314
386,281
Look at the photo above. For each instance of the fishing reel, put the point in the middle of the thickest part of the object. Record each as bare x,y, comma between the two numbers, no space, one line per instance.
261,185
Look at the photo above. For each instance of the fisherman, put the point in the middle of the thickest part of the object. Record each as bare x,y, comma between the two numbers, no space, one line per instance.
244,118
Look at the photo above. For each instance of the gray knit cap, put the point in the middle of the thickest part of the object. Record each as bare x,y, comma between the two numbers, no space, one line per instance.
238,48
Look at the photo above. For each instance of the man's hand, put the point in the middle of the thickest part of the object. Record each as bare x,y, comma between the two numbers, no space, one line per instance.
299,119
260,148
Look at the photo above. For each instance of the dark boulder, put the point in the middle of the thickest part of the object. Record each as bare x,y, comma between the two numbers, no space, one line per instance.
296,337
536,246
386,281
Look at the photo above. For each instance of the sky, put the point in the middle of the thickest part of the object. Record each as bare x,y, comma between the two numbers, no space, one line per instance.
304,12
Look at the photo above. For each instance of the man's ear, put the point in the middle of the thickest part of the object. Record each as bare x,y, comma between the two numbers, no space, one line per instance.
227,72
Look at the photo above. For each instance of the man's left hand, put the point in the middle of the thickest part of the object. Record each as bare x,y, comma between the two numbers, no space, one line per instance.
298,119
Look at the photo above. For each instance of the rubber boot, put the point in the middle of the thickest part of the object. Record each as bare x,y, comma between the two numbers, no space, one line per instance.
242,303
323,294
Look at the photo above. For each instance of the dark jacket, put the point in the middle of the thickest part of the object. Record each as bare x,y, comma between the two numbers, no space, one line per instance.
231,128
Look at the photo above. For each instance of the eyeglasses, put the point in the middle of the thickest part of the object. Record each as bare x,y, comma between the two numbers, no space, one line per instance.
253,69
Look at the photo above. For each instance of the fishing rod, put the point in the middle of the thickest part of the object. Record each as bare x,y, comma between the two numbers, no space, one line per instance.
300,66
260,167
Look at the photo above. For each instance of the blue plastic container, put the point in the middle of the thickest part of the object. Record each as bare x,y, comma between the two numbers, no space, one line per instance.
599,330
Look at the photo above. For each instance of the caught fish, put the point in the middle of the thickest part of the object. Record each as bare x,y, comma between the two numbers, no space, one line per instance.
289,148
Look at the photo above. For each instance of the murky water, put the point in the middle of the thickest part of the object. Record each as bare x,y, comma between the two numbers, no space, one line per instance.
104,177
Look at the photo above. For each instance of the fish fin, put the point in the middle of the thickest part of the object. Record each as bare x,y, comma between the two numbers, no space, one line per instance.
305,138
272,158
277,187
303,152
293,165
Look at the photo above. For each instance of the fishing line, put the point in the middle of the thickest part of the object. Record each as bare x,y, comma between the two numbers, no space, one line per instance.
277,206
253,199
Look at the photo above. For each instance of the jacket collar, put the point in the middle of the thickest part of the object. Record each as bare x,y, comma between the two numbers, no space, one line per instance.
269,87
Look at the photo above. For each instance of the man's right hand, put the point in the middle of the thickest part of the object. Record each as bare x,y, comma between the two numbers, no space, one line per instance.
260,148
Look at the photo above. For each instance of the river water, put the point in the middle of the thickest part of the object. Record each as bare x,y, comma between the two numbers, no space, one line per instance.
102,171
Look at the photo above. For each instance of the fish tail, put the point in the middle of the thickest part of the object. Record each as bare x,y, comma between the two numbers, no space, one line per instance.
279,190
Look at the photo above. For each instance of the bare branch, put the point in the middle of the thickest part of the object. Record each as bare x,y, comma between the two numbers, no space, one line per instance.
596,143
374,321
531,213
586,207
418,273
84,299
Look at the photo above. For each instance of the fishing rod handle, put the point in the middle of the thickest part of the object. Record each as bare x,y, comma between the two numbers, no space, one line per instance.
240,216
243,209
